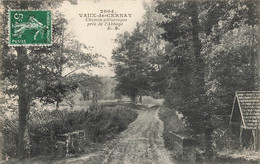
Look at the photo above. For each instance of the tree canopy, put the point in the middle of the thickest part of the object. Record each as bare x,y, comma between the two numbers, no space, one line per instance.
197,54
41,72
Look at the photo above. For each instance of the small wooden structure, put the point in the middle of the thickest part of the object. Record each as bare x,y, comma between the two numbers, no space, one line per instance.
69,143
183,146
245,118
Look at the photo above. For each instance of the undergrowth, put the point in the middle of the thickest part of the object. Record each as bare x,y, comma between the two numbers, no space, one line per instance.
45,127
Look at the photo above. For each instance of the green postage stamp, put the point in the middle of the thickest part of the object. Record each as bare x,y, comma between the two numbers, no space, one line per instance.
30,28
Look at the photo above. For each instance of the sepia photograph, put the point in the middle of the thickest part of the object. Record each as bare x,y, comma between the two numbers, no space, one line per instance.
129,82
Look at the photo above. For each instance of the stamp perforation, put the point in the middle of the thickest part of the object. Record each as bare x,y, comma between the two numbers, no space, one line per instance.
28,44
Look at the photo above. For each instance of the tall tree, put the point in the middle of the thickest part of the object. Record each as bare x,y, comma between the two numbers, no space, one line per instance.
145,49
130,62
182,29
188,89
231,52
154,46
31,69
212,51
23,94
88,84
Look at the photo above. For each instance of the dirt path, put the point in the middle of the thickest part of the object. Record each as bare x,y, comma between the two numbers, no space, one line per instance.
141,143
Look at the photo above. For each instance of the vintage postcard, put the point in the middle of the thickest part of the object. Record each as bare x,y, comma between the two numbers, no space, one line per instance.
131,82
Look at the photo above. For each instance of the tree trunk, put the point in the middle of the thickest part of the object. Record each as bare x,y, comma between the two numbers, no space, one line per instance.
84,96
209,142
132,99
57,105
96,97
87,96
24,99
199,80
199,70
141,99
94,100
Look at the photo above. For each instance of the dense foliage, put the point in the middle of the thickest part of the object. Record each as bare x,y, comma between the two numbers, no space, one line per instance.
207,51
46,127
227,54
138,56
41,72
131,64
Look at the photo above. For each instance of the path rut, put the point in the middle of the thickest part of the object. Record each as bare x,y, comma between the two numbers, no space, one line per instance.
141,143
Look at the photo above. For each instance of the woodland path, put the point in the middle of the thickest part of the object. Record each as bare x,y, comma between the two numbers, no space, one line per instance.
140,143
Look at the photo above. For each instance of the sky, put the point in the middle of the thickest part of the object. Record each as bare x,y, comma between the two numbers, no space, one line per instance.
99,37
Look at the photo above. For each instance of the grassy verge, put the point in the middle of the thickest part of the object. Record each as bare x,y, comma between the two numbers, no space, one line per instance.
172,123
224,145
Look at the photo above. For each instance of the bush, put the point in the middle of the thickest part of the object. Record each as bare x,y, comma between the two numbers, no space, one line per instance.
45,135
107,122
225,140
45,128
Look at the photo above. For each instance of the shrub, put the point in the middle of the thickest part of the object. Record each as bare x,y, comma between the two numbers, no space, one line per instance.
44,136
46,127
105,123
